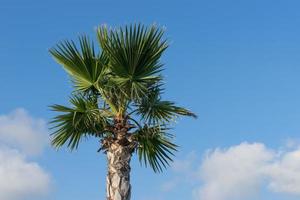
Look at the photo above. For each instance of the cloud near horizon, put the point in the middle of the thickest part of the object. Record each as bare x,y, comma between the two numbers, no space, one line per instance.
240,172
21,136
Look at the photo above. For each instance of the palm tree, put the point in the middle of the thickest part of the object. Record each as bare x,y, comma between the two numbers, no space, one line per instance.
117,99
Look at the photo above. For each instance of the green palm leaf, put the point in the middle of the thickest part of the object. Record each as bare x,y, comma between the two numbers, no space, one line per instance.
134,53
83,119
83,65
155,147
124,77
153,110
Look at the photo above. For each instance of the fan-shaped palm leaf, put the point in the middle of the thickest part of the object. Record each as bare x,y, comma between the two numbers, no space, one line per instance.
154,110
124,76
155,147
84,118
134,53
84,66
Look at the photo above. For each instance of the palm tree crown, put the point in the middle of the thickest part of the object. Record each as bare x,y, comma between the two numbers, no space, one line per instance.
118,93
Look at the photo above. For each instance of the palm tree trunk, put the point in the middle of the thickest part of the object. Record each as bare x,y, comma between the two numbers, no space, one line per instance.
118,178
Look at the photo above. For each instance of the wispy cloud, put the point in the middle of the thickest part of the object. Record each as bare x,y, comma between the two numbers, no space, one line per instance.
21,131
184,170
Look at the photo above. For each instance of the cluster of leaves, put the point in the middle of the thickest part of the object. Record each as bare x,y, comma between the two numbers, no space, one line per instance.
122,79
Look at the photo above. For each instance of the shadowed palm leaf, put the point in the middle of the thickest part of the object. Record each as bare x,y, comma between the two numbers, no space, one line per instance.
83,119
154,110
155,146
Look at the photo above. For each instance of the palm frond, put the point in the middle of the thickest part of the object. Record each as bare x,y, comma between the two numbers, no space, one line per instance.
83,119
153,110
134,53
125,78
83,65
155,147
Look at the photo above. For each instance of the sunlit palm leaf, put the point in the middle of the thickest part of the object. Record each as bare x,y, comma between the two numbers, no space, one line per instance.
155,147
83,65
134,53
82,119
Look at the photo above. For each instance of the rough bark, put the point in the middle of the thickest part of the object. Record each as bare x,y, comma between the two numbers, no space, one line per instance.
118,177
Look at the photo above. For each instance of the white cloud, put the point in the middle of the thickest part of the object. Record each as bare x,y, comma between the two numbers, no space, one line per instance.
20,178
243,170
233,173
171,184
182,167
20,136
185,164
284,173
21,131
240,172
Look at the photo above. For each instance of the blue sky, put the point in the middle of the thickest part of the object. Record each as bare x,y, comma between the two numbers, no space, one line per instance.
234,63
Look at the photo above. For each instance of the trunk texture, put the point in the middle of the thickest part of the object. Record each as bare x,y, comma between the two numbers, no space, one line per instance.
118,177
